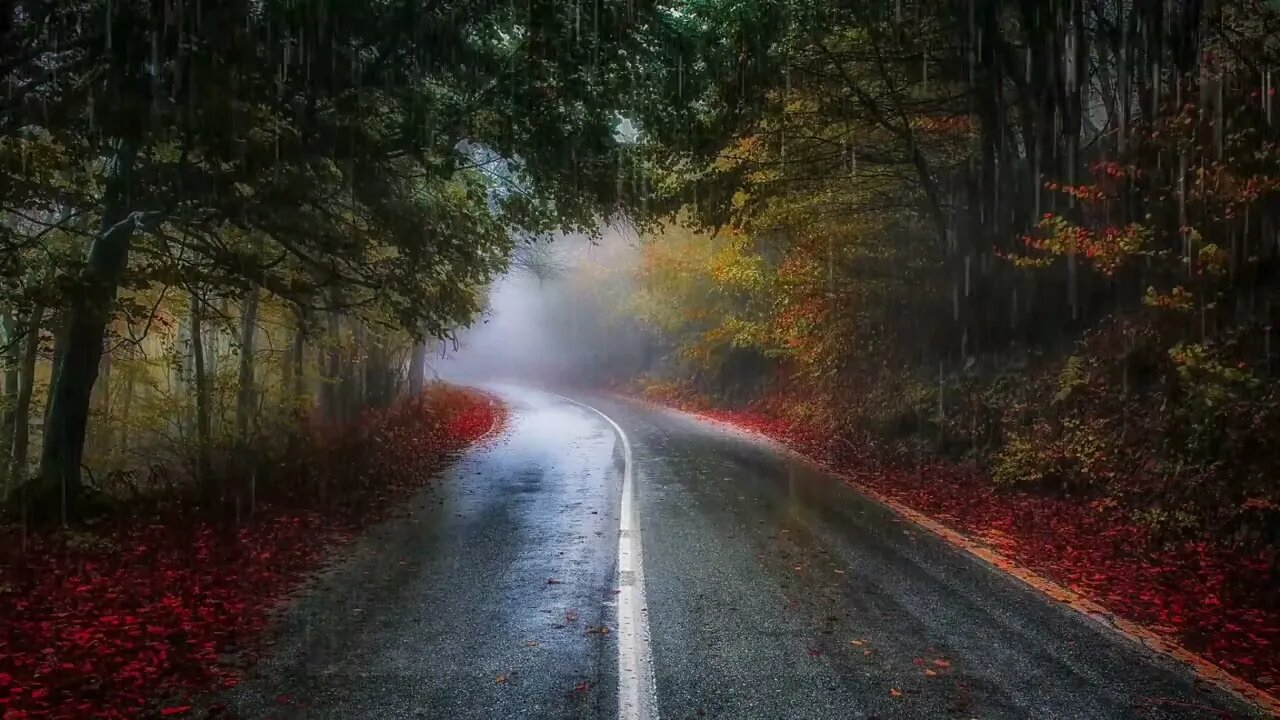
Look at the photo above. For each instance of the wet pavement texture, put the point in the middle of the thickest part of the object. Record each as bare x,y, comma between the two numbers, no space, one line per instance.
773,591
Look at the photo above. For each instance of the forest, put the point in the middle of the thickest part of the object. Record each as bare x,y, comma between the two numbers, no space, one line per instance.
1038,236
1009,264
1025,249
218,217
231,233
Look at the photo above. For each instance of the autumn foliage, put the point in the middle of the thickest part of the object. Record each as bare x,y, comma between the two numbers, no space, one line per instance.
1004,265
133,616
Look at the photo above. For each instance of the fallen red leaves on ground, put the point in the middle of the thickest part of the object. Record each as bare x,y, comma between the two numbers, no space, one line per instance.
1215,600
129,621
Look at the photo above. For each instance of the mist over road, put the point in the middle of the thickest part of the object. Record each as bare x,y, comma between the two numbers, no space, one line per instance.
768,590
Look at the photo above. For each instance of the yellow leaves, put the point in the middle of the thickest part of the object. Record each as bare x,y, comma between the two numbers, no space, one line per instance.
738,154
959,124
1213,259
1178,299
1106,249
735,266
707,292
35,157
1026,262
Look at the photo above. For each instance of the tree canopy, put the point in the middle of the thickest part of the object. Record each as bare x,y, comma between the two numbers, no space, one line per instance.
952,211
374,159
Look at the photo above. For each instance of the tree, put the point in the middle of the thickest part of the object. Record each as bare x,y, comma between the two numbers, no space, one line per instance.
969,203
341,134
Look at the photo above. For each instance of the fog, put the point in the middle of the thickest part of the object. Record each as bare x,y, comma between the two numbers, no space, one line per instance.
556,318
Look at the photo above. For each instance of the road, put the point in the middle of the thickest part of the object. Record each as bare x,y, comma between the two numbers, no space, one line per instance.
760,588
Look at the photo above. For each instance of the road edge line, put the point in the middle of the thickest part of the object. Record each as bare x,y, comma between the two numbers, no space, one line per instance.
1200,666
636,688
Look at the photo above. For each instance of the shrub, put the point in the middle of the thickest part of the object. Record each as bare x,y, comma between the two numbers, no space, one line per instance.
1023,461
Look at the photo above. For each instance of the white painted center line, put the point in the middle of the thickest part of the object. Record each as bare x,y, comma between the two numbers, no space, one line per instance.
636,691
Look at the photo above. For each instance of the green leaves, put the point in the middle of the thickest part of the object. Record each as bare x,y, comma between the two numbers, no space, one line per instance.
388,149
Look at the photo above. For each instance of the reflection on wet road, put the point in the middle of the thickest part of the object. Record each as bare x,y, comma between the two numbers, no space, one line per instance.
771,591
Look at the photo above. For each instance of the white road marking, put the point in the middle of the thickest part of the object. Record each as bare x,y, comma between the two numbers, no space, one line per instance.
636,691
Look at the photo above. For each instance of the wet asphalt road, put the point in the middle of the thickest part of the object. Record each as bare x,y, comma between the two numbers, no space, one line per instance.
772,591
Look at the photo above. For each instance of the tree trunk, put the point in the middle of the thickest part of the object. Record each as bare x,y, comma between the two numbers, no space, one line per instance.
333,370
245,393
99,440
12,349
417,369
245,400
26,383
126,406
359,369
378,374
298,354
202,395
86,323
288,368
59,348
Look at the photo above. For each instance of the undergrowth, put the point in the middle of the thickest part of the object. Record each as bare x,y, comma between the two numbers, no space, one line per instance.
133,614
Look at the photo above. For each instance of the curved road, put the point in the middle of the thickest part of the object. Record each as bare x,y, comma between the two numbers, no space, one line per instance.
756,588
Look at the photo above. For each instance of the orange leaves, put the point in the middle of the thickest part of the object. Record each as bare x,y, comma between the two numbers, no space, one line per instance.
1222,187
1083,193
1106,249
1112,169
1178,298
933,669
